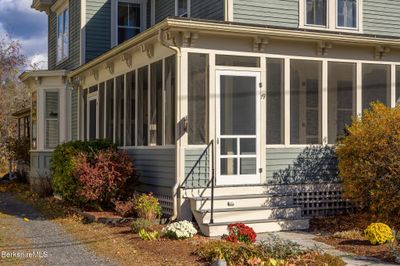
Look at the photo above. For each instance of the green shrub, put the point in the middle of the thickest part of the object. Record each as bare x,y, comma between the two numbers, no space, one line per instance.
149,236
277,248
140,224
64,182
147,206
369,162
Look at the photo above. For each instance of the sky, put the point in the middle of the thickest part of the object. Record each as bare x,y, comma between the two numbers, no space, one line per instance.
20,22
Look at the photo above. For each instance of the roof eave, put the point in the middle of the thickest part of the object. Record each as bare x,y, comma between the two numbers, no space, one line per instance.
42,5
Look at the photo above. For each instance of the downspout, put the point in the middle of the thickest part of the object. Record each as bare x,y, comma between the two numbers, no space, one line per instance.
178,162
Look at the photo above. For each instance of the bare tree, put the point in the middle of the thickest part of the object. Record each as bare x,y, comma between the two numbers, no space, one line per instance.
13,94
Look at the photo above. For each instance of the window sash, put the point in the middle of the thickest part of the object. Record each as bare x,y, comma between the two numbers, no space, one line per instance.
63,35
347,13
316,12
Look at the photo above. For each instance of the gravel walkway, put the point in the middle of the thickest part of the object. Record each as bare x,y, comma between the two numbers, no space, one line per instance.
307,241
42,236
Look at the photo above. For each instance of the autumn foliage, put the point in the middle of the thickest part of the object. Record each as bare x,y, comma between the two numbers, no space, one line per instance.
369,162
103,176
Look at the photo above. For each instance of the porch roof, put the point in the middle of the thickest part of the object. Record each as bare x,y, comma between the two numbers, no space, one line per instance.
22,112
176,24
42,5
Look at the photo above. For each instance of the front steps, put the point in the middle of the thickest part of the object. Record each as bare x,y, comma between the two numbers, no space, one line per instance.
264,208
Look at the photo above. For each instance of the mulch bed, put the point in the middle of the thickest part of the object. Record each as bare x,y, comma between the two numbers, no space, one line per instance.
360,247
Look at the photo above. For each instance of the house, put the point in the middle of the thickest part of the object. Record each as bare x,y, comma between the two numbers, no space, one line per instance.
247,94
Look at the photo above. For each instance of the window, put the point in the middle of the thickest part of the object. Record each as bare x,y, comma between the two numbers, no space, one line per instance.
316,11
130,108
62,35
341,98
129,20
305,102
198,98
375,84
170,102
347,13
120,88
182,8
143,112
110,110
275,101
51,120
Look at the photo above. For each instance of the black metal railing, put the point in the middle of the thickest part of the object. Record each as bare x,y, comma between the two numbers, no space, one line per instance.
199,176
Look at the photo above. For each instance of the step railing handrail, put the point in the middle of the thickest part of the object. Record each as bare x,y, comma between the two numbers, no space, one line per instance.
211,145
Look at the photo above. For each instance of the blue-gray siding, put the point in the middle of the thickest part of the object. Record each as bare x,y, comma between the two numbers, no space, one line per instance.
197,167
98,28
382,17
267,12
301,165
164,8
155,168
73,60
208,9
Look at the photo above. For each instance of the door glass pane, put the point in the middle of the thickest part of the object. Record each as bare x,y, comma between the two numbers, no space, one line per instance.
248,166
248,147
376,84
156,111
92,119
229,166
228,146
238,109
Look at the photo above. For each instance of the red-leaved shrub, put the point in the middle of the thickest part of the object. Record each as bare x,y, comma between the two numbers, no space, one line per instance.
240,232
103,177
125,208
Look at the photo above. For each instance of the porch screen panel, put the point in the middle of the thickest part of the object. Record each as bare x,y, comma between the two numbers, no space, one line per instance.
143,112
130,108
120,88
51,115
275,101
84,111
156,105
305,102
110,110
101,109
397,85
198,98
341,98
375,84
170,102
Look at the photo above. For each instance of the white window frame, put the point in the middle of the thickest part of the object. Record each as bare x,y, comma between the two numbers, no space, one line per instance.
61,12
331,17
45,119
114,17
188,12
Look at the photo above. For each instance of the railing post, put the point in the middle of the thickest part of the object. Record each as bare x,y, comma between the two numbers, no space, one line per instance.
212,182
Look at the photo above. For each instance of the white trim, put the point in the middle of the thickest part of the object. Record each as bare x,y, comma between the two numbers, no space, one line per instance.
83,32
229,10
393,86
324,103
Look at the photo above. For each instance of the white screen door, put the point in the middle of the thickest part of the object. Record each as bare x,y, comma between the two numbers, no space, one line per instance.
238,128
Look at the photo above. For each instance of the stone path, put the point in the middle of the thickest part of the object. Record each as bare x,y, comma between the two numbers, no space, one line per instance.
57,247
306,240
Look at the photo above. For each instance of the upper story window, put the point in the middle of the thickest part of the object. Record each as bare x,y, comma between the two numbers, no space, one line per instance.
62,34
128,19
129,22
316,12
347,13
336,15
182,8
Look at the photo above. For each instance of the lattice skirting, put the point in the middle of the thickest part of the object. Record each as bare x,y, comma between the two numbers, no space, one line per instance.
167,204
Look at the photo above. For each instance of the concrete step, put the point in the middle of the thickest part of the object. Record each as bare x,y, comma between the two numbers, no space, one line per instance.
259,226
247,213
242,201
